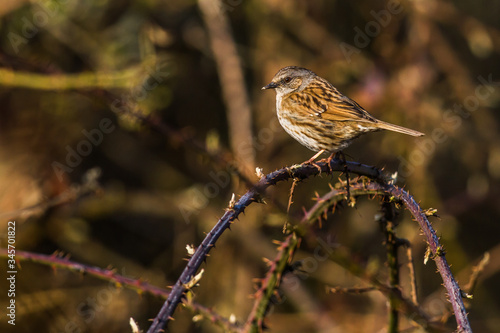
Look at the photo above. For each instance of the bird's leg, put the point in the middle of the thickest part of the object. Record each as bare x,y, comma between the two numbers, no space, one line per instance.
340,155
311,160
315,156
329,160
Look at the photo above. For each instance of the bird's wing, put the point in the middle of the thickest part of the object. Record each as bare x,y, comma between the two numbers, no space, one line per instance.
321,99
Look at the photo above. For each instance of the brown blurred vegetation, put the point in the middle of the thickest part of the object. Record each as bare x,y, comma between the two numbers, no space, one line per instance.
67,65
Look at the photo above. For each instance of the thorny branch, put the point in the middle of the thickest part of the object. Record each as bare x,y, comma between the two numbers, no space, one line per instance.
301,172
59,260
270,282
406,306
451,285
391,245
253,195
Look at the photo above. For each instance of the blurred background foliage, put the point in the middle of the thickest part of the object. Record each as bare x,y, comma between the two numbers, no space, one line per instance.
192,71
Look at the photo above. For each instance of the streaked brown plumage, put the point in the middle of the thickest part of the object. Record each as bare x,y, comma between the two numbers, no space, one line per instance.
317,115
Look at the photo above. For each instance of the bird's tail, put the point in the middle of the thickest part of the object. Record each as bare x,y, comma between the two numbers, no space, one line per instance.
399,129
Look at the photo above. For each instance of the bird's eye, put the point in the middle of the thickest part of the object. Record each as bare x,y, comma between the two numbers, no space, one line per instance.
287,79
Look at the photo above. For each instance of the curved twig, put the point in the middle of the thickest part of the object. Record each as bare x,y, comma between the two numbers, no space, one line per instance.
320,209
304,171
232,213
451,285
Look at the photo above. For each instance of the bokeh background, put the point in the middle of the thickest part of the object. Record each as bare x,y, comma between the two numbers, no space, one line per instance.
170,94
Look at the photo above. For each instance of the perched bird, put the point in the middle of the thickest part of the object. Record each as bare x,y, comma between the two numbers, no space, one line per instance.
320,117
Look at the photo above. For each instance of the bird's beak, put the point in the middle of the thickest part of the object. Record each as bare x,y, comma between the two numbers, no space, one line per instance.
271,85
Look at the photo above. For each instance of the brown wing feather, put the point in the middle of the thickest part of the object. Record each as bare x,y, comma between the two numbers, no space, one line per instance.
328,103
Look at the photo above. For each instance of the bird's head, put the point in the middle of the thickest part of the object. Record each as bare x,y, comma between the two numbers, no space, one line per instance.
290,79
